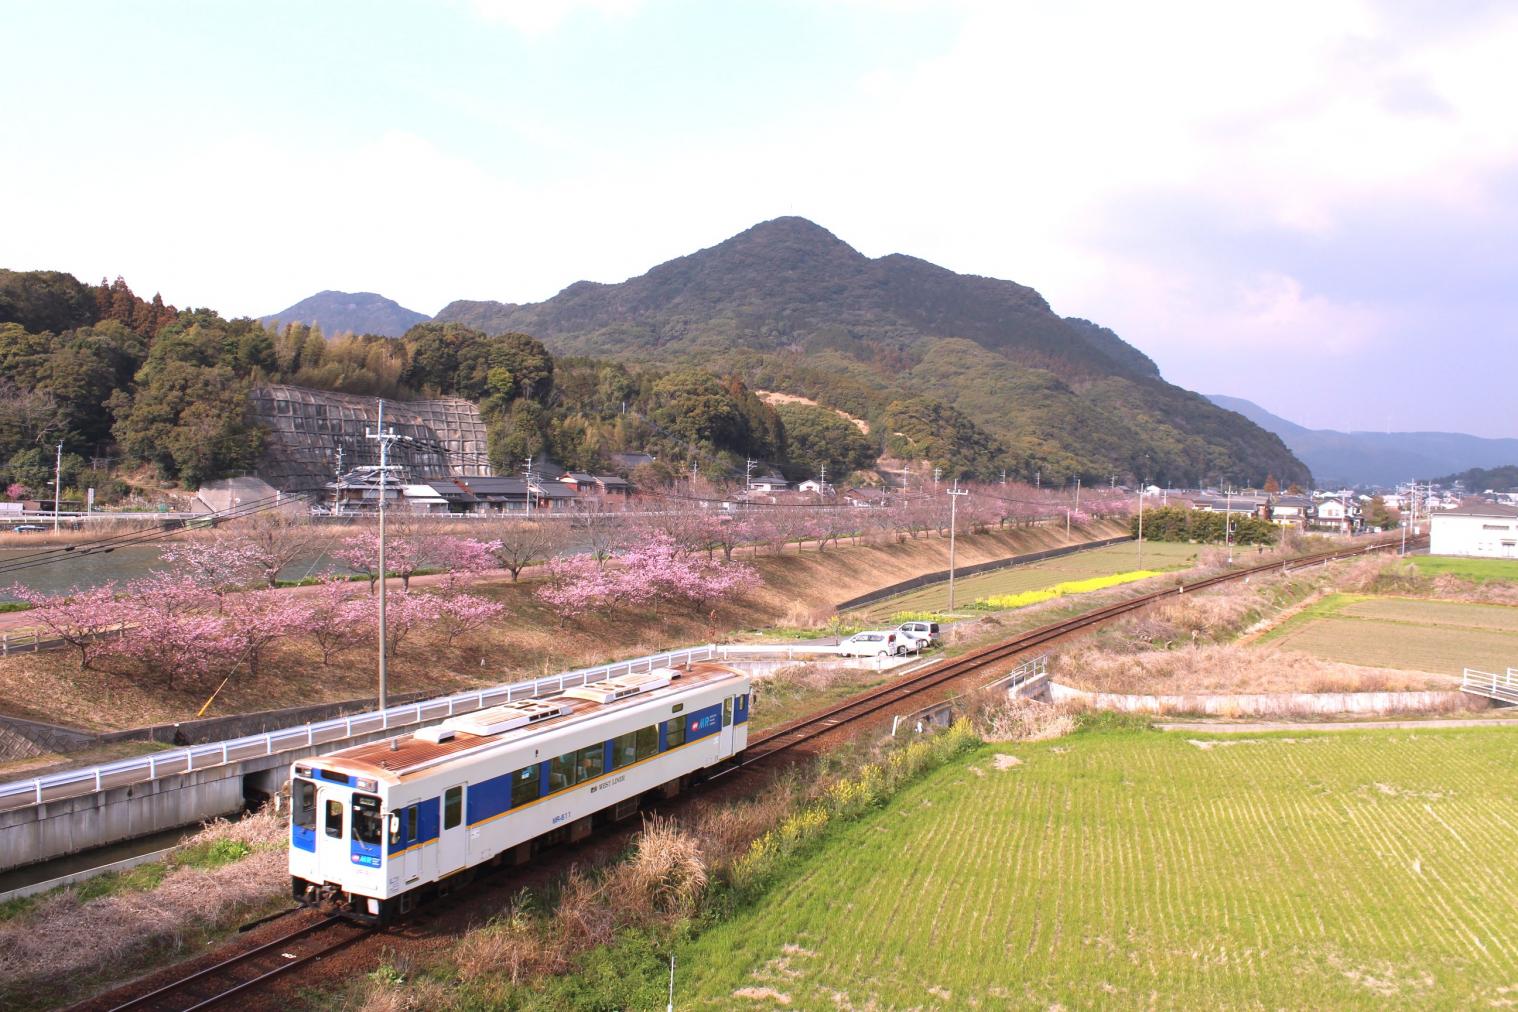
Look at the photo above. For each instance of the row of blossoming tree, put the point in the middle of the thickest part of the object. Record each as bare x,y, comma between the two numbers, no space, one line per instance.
212,614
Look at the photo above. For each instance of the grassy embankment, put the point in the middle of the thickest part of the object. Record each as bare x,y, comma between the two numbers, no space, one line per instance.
1132,868
1035,576
796,589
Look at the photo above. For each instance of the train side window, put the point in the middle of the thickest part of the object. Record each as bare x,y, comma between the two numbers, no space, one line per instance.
727,712
453,807
411,815
624,749
366,819
561,771
592,762
648,741
334,824
524,786
674,733
303,803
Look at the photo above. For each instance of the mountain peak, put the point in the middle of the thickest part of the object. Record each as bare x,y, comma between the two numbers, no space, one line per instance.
349,312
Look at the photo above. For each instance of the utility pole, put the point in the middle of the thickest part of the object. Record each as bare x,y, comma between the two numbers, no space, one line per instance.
384,437
1141,527
57,485
337,492
527,480
822,482
1077,493
937,472
1004,477
1228,523
748,472
954,494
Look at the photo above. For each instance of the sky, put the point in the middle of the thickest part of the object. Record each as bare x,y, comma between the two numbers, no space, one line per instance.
1308,205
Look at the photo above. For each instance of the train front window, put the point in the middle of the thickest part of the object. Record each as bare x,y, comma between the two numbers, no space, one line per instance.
367,824
334,821
303,804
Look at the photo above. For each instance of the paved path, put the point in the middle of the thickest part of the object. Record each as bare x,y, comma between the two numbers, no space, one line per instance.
1263,726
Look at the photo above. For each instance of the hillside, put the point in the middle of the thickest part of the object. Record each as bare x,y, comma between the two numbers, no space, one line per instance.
349,313
1378,458
788,306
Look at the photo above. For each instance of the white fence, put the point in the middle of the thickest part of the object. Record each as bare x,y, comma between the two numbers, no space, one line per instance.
1503,687
941,713
72,783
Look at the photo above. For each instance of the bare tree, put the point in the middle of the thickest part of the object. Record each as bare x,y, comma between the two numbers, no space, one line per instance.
523,543
282,536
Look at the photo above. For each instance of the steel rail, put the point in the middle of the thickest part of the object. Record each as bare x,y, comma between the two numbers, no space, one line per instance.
794,733
163,997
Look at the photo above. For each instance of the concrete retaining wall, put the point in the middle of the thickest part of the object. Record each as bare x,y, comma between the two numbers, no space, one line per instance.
68,826
1265,703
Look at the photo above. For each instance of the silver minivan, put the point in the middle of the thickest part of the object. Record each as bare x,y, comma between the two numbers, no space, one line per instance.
924,633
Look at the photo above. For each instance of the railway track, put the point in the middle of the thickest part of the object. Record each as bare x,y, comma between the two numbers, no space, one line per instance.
248,971
858,708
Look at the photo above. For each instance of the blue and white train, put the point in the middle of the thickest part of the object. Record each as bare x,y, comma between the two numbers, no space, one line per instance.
376,827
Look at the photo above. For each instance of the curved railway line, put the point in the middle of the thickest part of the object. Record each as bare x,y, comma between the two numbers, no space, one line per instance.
865,705
249,971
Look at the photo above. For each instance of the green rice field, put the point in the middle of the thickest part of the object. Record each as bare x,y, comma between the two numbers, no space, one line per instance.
1479,570
1123,869
1036,576
1413,634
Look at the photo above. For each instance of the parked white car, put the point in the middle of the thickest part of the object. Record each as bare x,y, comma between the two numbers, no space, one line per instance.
924,633
875,643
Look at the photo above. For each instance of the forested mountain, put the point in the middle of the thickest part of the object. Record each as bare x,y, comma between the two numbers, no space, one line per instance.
1484,479
972,372
1377,458
349,313
114,377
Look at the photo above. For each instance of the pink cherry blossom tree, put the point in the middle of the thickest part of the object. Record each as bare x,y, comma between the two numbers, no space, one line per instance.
217,563
338,619
360,553
254,619
84,619
169,634
459,614
16,490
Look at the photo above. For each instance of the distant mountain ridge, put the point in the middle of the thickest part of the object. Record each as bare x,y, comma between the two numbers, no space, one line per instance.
788,306
350,313
1378,458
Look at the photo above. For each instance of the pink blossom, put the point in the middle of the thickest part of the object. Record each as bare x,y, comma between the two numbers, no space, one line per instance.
462,613
218,564
16,490
81,618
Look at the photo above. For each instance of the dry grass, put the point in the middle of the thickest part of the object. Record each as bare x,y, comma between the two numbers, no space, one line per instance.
1227,668
1019,719
64,942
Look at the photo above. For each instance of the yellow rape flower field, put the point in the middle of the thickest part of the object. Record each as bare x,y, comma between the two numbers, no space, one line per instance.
1127,868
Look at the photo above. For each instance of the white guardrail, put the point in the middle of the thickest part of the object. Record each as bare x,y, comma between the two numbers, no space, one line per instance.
1487,683
198,757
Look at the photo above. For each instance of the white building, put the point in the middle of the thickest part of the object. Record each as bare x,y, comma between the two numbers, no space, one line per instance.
1476,528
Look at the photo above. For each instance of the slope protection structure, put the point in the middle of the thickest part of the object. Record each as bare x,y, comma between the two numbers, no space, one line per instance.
310,430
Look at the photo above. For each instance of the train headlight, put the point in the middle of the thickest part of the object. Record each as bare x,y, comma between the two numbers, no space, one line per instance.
366,785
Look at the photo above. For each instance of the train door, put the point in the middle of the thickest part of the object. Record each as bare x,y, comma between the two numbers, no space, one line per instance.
725,742
331,832
411,860
453,835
